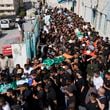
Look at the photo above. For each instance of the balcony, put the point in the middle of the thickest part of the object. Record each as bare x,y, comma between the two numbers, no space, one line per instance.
6,7
7,13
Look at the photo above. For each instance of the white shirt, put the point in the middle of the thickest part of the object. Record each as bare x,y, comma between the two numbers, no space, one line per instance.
46,29
98,82
3,63
85,26
71,41
28,71
47,20
76,30
6,107
61,38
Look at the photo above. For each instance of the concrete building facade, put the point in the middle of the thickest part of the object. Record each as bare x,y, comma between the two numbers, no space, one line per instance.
97,12
9,7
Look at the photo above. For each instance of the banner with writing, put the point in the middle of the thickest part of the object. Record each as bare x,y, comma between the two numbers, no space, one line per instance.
57,60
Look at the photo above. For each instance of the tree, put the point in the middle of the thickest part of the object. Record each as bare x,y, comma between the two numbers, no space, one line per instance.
21,12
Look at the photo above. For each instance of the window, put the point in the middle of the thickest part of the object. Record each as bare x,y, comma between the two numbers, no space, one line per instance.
105,25
94,14
8,5
1,5
94,18
100,21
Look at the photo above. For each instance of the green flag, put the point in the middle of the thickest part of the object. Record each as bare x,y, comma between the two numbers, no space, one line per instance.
5,87
48,62
57,60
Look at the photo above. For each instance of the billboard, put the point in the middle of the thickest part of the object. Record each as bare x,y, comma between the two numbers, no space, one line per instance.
7,50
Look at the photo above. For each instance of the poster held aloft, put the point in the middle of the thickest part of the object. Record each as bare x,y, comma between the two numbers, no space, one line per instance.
19,54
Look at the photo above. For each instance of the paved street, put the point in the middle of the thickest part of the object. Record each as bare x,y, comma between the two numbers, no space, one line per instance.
8,37
13,35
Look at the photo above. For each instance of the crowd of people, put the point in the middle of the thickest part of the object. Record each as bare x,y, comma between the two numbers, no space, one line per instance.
80,82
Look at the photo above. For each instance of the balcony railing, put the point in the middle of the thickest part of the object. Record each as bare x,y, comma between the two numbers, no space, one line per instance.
7,8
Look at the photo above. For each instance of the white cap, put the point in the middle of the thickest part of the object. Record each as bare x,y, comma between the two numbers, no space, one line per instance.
40,59
83,45
50,46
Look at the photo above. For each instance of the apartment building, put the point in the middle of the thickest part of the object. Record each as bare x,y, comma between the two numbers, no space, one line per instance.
9,7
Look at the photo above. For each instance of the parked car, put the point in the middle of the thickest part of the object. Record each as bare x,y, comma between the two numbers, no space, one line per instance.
7,23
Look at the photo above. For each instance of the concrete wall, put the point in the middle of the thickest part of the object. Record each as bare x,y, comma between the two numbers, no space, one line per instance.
100,21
